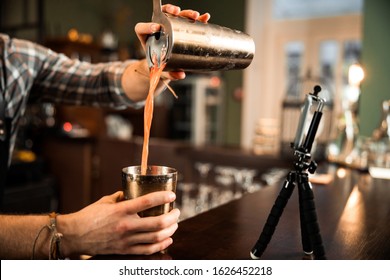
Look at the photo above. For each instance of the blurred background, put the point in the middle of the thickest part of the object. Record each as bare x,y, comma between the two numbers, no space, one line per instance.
247,115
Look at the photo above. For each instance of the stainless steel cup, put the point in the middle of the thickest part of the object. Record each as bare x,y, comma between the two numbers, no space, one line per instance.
157,178
189,45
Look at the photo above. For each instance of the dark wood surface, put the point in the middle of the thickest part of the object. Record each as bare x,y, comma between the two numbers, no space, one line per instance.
353,214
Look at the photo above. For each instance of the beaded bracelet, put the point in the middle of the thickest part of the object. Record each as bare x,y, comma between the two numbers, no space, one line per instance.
55,239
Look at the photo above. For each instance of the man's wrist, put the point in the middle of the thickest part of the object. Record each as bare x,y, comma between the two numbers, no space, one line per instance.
65,227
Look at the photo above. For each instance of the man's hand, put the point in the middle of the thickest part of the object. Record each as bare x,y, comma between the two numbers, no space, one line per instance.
143,29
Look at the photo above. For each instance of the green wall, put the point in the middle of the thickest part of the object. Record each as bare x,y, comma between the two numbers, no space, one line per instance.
376,62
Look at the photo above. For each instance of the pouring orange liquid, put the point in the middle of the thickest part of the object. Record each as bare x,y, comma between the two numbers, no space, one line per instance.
155,74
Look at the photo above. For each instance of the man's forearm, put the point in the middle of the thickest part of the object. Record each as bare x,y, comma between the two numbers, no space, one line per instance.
18,234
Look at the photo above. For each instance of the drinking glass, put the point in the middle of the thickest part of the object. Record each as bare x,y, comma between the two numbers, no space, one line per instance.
157,178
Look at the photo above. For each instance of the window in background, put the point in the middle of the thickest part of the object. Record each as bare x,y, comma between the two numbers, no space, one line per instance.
294,55
351,54
328,56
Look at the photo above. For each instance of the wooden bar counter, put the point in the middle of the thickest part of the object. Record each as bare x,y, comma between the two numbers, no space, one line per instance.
353,213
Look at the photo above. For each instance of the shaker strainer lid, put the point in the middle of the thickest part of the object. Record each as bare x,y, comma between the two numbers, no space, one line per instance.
157,48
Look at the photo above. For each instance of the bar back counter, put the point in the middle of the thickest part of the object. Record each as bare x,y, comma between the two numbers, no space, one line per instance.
353,212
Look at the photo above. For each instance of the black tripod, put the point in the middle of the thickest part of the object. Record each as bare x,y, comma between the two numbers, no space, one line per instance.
310,232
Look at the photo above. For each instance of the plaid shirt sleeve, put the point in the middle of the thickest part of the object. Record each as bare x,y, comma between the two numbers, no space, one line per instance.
56,78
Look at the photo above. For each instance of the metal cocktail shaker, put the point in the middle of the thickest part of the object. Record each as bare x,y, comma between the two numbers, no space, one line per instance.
189,45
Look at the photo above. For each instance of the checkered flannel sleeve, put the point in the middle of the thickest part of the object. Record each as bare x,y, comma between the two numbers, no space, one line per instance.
57,78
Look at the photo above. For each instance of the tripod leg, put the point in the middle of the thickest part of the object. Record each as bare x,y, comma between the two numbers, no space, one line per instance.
273,219
306,242
311,237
